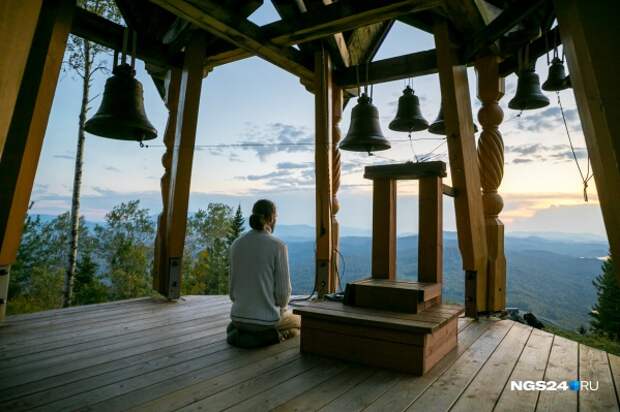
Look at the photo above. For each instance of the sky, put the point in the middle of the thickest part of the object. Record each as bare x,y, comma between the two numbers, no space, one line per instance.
253,101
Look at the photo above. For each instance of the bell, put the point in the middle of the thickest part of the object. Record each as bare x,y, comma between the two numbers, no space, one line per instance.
528,94
121,114
365,130
408,116
439,126
557,79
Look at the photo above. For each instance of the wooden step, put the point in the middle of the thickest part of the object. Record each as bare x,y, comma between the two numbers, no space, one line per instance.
395,295
404,342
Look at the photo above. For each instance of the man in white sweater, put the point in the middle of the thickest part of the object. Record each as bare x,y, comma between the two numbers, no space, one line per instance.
260,285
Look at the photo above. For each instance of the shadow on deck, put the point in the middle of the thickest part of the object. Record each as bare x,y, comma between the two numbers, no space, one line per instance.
150,355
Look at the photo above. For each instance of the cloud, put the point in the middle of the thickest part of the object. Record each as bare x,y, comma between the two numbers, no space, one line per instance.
559,152
547,120
64,156
112,169
293,165
277,138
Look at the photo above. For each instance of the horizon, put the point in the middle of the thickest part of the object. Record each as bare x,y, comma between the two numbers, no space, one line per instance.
541,187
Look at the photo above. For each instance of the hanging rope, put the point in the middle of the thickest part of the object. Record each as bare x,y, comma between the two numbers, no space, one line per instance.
588,176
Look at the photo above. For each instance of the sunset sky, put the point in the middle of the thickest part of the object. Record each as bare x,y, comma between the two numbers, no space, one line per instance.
254,101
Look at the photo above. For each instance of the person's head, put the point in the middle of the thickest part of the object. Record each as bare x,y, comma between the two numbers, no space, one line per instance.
263,215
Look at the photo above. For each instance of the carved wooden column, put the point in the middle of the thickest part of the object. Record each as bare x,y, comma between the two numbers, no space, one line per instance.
323,170
337,102
491,163
33,36
160,274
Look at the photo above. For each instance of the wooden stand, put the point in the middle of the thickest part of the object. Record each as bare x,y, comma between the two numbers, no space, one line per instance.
385,322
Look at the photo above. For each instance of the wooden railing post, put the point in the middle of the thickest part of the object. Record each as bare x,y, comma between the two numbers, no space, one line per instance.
491,162
590,33
28,83
463,170
323,171
384,229
181,163
337,101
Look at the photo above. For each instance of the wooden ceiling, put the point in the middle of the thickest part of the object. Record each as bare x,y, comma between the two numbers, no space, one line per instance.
350,30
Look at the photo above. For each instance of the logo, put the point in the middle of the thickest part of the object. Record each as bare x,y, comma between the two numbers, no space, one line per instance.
574,385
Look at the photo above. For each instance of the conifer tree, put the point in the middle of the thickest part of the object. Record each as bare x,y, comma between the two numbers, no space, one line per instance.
606,312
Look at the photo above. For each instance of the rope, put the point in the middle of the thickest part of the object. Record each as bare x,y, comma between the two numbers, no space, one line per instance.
588,176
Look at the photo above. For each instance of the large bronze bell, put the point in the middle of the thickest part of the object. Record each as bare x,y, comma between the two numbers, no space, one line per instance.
365,130
557,79
439,126
408,116
121,114
528,94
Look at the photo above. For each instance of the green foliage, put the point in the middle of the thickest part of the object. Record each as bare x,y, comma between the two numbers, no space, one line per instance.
124,244
236,226
206,252
36,278
606,312
594,340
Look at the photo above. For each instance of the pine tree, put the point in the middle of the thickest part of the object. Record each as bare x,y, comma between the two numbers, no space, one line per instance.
236,226
606,312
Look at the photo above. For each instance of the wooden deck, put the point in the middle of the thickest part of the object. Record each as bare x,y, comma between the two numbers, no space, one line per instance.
154,356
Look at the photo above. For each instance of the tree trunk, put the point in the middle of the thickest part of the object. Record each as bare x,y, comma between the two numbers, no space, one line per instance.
77,183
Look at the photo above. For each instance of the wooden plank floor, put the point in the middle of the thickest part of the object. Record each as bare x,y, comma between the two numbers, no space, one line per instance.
150,355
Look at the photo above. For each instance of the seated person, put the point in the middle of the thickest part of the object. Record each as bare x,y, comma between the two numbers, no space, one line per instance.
259,284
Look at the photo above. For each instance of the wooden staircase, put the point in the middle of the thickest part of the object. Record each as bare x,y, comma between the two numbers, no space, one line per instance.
385,322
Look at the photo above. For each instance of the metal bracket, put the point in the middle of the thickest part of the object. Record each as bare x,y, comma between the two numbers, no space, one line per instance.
174,277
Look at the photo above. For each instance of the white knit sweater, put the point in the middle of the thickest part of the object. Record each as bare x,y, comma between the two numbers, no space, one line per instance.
259,281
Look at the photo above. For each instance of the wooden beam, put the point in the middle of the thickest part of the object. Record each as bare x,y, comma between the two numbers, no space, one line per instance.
464,170
323,171
430,232
386,70
509,18
491,161
211,17
589,35
29,111
182,158
384,229
338,17
161,275
537,48
97,29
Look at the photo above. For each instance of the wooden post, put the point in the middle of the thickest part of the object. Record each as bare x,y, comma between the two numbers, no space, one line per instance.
323,170
463,170
430,232
337,103
161,279
30,83
384,229
491,163
181,161
589,34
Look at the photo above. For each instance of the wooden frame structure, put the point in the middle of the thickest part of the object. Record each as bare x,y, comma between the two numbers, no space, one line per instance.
180,40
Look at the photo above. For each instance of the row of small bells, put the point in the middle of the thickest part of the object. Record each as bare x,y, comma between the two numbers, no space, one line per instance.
365,133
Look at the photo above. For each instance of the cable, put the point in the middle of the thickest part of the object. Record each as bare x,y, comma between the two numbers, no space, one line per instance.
585,179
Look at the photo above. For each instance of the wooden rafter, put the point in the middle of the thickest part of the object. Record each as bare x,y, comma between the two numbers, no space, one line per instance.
537,48
510,17
338,17
95,28
211,17
395,68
